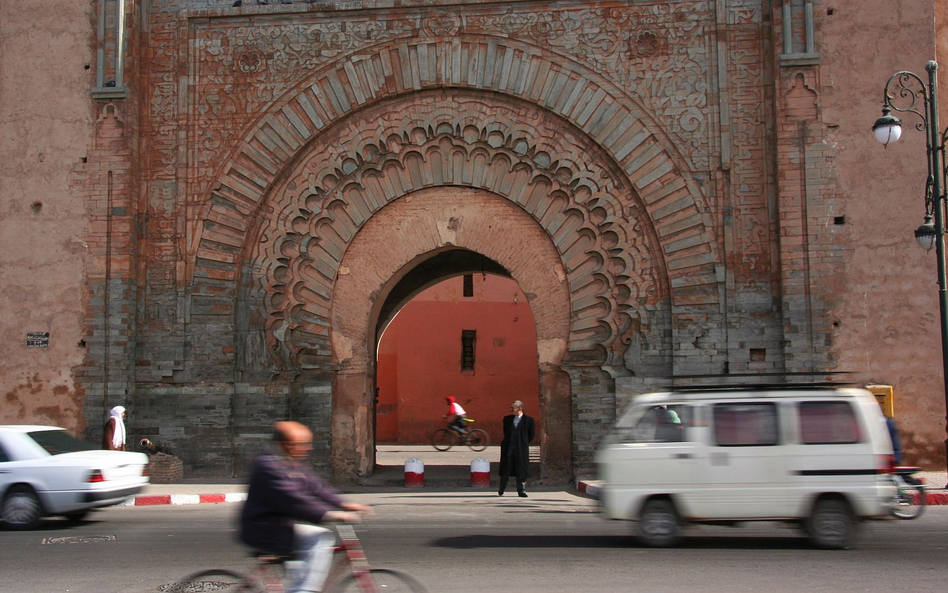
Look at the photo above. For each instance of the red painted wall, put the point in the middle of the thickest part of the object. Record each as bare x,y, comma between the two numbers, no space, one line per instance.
419,360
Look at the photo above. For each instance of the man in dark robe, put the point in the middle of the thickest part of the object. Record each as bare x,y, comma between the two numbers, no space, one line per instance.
515,448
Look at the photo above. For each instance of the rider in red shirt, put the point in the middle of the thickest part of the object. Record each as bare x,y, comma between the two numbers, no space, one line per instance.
455,415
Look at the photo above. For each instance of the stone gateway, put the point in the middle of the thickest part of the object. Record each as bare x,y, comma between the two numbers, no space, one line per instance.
268,184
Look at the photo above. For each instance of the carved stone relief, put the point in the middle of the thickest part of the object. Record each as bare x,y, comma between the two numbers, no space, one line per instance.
660,54
593,218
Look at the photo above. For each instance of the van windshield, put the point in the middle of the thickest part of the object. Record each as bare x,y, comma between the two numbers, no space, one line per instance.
654,424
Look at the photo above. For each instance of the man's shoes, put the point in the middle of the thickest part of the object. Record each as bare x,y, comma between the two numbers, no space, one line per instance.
500,493
522,494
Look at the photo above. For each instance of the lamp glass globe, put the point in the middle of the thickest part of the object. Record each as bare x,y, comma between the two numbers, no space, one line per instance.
887,134
926,241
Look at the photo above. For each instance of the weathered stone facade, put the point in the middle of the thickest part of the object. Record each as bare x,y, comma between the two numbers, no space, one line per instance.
267,183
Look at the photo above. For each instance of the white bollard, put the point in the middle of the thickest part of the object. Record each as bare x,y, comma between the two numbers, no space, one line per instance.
414,473
480,473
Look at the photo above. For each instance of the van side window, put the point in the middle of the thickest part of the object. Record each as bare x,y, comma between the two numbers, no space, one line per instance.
828,423
661,424
3,456
745,425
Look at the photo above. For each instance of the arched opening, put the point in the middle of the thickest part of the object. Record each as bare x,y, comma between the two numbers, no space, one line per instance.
468,331
448,232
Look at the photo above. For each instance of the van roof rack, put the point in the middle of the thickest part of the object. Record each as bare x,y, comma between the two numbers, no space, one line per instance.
822,385
769,374
771,381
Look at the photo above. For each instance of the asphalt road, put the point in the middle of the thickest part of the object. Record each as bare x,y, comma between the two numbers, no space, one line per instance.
472,542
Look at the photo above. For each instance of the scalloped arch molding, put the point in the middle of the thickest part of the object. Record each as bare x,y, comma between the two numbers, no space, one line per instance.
566,146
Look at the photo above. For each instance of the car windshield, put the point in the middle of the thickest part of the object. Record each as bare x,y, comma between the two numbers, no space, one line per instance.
57,442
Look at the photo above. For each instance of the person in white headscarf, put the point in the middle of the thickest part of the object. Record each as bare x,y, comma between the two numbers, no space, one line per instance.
113,438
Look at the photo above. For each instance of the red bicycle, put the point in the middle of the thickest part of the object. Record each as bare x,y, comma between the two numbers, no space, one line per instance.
350,573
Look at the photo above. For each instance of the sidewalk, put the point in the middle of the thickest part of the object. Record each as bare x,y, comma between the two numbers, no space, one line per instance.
443,469
935,487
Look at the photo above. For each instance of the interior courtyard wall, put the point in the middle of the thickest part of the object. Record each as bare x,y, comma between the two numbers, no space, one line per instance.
419,360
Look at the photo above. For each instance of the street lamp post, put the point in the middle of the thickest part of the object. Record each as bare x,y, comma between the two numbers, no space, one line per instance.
903,92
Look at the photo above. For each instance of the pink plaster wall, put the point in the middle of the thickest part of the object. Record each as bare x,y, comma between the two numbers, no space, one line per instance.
888,319
420,359
46,120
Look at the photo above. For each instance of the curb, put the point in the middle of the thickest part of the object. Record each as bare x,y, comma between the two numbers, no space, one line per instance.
591,489
936,498
587,488
181,499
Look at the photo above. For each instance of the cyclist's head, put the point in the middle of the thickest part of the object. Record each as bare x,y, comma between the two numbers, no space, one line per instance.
294,438
450,399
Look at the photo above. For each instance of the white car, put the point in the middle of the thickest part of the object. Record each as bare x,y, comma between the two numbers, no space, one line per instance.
45,471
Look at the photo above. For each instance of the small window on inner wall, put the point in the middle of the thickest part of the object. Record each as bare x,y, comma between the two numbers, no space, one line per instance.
468,285
468,339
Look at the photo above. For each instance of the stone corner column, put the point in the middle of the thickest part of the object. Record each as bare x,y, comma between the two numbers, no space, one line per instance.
353,450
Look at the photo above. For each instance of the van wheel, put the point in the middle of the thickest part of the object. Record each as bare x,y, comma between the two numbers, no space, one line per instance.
21,508
659,525
832,525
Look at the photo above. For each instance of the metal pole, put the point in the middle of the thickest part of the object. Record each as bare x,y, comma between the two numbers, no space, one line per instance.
119,43
936,153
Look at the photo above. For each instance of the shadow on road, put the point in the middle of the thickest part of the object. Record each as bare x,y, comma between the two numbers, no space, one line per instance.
53,524
467,542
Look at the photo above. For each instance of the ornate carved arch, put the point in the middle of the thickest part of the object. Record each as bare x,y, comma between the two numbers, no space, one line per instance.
500,71
595,221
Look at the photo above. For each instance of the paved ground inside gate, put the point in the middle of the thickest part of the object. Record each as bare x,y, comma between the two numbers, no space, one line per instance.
399,454
449,469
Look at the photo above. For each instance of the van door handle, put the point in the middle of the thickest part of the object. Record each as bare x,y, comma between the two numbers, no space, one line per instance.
682,455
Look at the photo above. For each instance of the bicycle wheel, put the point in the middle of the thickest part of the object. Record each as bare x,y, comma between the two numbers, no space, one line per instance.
385,580
909,501
215,580
443,439
478,439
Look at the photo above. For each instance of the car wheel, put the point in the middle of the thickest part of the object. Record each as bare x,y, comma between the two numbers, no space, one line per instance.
831,525
22,508
659,524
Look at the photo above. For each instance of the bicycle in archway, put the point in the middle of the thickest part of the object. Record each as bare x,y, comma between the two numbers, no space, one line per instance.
475,438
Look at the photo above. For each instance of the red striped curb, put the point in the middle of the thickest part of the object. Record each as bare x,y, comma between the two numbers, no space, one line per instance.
182,499
936,498
141,501
587,488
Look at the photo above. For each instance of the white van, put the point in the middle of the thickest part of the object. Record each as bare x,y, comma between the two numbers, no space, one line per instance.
817,457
